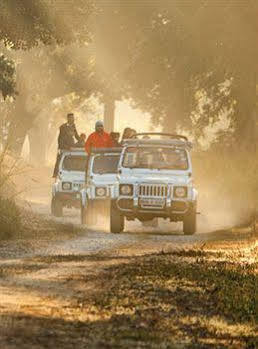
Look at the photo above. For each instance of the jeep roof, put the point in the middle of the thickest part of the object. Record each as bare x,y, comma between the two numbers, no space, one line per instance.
116,150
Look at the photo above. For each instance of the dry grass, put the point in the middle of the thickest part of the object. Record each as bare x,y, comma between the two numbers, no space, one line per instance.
183,299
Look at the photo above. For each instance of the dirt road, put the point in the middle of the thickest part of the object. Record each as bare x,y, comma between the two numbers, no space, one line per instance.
63,286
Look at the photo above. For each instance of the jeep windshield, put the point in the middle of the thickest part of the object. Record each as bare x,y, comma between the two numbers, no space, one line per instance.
155,158
104,164
75,163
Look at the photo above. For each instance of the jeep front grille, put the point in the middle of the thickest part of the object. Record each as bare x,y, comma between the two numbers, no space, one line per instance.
78,186
153,190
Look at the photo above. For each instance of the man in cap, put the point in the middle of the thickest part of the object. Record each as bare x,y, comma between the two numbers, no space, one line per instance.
99,138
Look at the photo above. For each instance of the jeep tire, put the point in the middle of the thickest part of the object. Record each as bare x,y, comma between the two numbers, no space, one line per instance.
88,215
117,221
189,222
56,207
83,214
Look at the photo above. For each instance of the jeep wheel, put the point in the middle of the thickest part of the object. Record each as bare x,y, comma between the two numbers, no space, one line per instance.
189,223
56,207
88,214
83,214
117,221
92,217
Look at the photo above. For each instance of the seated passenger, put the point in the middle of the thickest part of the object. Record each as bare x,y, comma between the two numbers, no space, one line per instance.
98,139
81,141
132,133
115,139
126,133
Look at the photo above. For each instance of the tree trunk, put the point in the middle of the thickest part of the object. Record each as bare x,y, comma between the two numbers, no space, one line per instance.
20,123
38,138
247,131
109,113
16,138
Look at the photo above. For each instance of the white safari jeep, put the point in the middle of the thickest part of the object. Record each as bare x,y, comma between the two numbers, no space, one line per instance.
155,180
101,175
70,180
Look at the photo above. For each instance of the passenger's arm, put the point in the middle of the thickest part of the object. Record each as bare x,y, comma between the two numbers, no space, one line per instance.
76,135
110,142
88,145
61,138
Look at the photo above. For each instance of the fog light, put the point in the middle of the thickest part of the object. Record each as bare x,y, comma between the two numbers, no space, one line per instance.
180,192
126,189
101,191
67,186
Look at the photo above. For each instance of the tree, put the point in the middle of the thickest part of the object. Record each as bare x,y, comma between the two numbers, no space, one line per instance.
61,73
164,52
26,23
195,45
7,83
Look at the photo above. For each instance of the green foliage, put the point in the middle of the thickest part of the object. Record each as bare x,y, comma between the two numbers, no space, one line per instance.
25,23
10,218
229,287
206,298
165,52
7,75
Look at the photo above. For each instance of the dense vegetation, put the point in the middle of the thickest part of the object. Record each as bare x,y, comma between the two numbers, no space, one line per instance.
163,54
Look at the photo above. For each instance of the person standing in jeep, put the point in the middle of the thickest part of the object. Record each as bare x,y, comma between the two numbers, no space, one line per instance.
68,134
99,138
66,138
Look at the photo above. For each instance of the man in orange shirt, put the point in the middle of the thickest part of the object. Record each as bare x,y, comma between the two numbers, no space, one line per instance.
98,139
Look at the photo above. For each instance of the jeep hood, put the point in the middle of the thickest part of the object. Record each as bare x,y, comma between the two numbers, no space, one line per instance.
104,179
72,176
156,178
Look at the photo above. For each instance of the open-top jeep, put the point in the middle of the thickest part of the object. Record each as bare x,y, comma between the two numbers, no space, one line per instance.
155,180
101,175
70,180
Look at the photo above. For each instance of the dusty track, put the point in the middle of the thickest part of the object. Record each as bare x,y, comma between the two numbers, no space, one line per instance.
49,278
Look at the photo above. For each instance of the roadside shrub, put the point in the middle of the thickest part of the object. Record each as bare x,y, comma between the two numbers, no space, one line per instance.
10,218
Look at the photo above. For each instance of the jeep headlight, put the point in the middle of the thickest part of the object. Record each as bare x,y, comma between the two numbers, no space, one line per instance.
67,185
180,192
101,191
126,189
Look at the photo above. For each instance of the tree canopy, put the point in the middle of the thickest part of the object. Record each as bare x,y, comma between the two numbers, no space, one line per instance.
158,53
27,23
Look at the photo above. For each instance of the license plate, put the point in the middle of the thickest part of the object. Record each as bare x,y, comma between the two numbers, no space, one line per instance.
152,202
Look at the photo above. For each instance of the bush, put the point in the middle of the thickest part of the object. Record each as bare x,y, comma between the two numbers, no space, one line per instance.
10,218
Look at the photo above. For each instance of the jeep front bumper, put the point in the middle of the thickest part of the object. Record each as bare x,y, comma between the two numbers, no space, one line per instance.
153,206
72,198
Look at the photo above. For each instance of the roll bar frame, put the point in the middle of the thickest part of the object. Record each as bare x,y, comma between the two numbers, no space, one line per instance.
115,150
170,135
